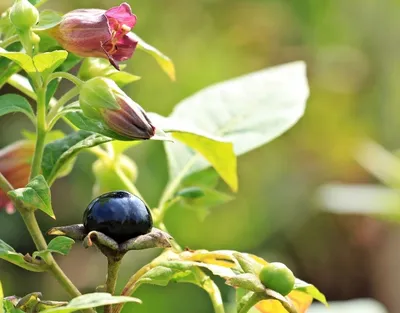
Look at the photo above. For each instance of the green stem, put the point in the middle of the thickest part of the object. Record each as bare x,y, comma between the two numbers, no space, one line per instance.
15,80
10,40
131,286
113,269
5,184
65,75
250,302
40,133
174,184
61,102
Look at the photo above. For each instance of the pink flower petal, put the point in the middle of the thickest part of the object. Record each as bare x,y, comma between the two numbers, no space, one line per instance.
121,15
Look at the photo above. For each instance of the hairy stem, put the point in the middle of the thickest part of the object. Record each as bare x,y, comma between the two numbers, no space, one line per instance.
10,40
113,269
251,301
40,133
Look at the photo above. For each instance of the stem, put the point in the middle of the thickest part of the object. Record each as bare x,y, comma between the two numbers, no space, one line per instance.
5,184
173,185
60,103
113,269
131,286
65,75
252,301
11,69
15,80
10,40
40,133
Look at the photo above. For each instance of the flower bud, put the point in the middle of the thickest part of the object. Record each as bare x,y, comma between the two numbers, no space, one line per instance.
101,99
15,167
98,33
23,14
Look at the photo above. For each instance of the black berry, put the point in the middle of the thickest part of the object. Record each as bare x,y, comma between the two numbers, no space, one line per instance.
119,215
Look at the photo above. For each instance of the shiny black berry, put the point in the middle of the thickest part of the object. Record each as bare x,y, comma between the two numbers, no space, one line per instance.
119,215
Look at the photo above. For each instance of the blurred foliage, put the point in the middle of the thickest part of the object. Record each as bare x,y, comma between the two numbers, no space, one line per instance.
352,53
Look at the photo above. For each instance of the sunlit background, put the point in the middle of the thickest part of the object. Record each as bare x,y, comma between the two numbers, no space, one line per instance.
352,50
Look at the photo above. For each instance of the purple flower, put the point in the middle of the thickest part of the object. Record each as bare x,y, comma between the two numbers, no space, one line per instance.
98,33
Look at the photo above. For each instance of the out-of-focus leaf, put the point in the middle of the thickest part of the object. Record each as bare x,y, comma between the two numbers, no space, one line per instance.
165,62
47,19
58,153
35,195
248,111
11,103
369,199
91,300
1,298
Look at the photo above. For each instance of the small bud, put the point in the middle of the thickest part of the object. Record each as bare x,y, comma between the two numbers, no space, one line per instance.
15,166
23,14
98,33
101,99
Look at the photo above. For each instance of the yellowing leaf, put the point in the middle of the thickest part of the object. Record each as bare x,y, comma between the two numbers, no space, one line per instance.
300,300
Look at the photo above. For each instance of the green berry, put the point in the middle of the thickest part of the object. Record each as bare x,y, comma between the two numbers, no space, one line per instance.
278,277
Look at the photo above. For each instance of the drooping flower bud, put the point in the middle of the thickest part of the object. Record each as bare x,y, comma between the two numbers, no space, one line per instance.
100,98
98,33
15,166
23,14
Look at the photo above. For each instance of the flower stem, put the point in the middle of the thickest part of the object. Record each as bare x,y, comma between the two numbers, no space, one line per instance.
40,133
251,301
5,184
113,269
60,103
65,75
10,40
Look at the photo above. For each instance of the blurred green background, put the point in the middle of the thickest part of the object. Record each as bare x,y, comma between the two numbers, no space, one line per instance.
352,52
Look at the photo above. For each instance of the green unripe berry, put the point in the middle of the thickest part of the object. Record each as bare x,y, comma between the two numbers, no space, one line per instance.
23,15
278,277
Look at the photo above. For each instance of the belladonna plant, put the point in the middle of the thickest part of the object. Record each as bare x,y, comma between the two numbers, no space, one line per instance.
202,138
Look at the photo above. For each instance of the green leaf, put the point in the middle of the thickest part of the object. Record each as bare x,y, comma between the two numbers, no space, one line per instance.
51,89
22,59
91,300
216,150
246,281
44,63
123,78
78,119
191,193
310,290
59,153
1,298
35,195
165,62
47,62
205,178
47,19
7,253
60,244
248,111
11,103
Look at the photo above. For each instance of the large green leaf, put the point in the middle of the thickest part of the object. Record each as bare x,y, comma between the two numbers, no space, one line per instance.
35,195
11,103
59,153
91,300
311,290
216,150
44,63
7,253
47,62
249,111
